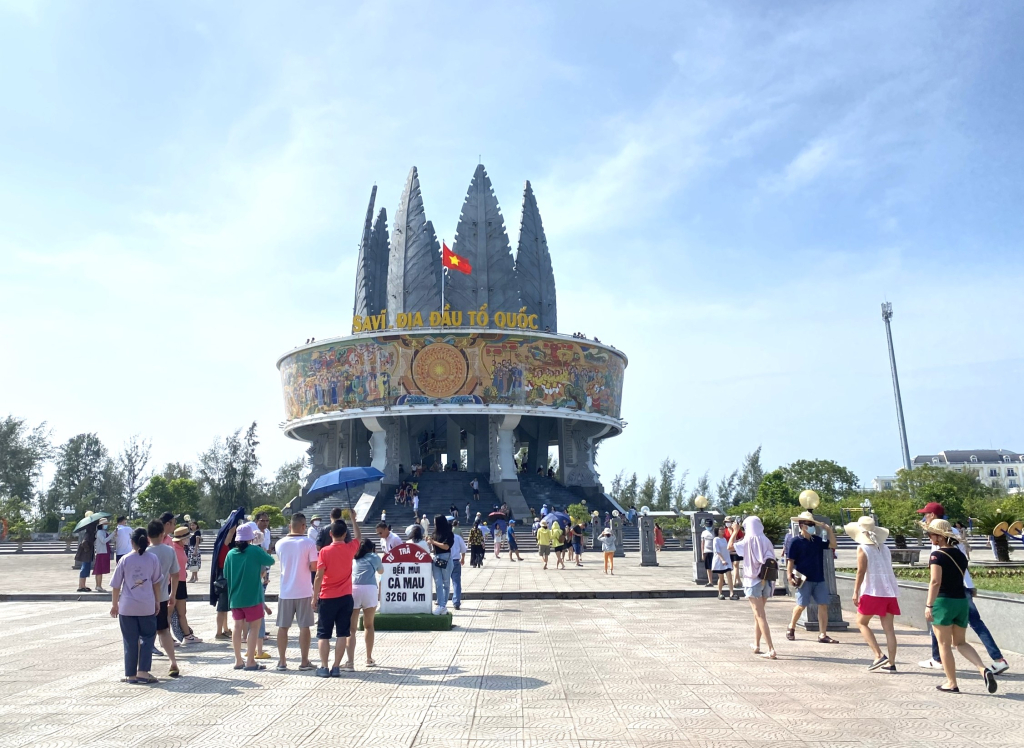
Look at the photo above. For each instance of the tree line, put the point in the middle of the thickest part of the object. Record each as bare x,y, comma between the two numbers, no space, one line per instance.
89,476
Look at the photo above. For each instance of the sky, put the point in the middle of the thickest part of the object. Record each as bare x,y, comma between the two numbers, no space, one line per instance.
729,190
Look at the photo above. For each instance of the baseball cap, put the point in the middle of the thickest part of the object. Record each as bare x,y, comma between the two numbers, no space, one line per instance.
933,507
244,532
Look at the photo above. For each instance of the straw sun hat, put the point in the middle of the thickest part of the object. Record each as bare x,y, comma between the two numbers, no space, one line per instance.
864,530
804,517
939,527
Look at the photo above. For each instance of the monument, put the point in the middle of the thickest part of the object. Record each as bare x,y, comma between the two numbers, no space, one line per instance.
454,357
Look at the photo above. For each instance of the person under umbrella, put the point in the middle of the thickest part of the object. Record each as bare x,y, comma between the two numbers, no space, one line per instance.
86,552
218,584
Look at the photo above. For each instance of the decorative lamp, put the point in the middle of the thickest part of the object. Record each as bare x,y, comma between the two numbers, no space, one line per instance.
615,512
809,500
701,502
645,510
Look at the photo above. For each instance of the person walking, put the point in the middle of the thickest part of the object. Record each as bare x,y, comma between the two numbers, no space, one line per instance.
760,570
459,550
947,609
188,636
659,538
332,594
122,539
134,595
101,565
807,557
476,546
513,546
576,536
243,569
195,556
365,594
298,557
558,545
441,542
707,546
416,503
170,572
85,555
934,510
475,485
875,592
721,565
544,541
608,548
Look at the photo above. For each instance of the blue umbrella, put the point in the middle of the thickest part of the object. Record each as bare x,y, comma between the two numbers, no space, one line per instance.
342,480
560,517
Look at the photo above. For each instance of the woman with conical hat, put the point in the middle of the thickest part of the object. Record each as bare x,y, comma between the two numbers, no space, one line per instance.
875,592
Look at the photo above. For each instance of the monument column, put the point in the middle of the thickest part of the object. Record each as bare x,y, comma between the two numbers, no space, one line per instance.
648,553
453,441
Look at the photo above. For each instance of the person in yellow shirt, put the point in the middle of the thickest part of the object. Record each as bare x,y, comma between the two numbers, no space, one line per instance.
558,543
544,541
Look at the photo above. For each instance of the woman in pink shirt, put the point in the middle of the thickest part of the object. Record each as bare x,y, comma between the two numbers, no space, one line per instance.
135,592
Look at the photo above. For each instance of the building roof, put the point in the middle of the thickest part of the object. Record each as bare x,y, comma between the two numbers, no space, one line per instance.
961,456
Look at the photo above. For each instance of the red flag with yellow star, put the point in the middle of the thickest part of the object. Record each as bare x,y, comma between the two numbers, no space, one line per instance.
453,261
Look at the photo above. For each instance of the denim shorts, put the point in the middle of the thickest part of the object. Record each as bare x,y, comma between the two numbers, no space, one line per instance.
815,593
760,589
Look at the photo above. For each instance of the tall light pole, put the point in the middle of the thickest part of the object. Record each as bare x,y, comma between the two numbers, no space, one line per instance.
887,315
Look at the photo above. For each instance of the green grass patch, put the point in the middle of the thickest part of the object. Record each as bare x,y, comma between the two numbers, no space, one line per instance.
410,622
995,580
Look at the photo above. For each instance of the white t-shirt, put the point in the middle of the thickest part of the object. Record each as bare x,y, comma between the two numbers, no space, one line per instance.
458,548
707,539
721,551
295,554
313,533
392,540
968,582
123,546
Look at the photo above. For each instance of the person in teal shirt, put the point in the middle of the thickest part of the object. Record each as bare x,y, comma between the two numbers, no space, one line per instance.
243,570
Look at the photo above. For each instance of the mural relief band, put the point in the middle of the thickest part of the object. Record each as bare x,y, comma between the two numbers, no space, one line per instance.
456,368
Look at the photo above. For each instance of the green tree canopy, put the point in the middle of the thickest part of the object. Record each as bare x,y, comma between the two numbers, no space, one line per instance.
831,481
666,483
274,513
750,477
160,495
85,479
23,451
647,491
775,491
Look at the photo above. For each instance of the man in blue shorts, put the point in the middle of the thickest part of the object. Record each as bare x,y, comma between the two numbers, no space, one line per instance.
807,558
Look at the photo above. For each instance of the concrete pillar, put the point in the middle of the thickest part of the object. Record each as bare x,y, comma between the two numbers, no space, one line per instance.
506,448
697,523
361,443
617,534
384,438
532,447
453,447
648,553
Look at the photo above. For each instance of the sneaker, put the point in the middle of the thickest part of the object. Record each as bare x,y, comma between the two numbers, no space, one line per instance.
890,668
323,672
437,610
883,660
335,672
721,597
930,664
443,612
1000,666
990,680
458,606
158,653
192,639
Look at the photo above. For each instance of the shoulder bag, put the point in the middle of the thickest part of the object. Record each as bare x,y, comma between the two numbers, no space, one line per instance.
769,570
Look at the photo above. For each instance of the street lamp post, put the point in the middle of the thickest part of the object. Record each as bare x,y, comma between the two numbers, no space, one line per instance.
698,519
595,534
887,315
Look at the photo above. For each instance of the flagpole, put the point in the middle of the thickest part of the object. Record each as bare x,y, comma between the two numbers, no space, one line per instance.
442,282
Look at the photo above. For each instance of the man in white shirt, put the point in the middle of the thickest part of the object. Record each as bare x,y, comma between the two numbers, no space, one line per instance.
298,556
935,510
314,530
416,502
459,550
707,541
123,540
388,539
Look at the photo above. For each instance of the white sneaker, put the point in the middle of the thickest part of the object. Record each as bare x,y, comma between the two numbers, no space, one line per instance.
437,610
1000,666
930,664
443,612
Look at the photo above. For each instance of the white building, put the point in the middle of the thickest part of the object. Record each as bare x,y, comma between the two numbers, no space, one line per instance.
998,468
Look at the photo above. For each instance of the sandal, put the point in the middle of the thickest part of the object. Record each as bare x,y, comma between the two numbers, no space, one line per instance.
826,639
791,635
769,655
756,650
371,663
173,672
254,667
132,681
239,667
954,689
146,681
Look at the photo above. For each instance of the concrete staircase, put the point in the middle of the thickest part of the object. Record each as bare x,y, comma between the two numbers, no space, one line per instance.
539,490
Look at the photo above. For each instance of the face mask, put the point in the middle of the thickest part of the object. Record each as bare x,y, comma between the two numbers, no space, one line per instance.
316,524
811,530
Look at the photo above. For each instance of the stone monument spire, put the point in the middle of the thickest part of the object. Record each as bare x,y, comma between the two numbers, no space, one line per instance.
481,238
533,266
414,261
372,265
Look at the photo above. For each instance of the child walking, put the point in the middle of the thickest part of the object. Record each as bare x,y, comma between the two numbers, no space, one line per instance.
608,547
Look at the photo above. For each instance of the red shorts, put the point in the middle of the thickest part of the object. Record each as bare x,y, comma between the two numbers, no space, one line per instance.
250,614
878,606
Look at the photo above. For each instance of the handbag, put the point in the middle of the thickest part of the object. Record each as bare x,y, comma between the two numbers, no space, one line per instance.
769,570
440,563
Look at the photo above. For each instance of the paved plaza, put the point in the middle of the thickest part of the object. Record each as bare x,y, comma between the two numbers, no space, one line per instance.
511,674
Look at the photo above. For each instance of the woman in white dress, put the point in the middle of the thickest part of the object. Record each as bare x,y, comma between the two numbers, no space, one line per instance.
875,592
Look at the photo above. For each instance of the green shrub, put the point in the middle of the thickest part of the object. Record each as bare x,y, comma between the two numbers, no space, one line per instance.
276,518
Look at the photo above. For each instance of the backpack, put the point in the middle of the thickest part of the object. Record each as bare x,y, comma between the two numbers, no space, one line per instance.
769,570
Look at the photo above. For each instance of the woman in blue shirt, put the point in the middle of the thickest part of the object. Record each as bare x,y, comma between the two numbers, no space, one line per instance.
365,595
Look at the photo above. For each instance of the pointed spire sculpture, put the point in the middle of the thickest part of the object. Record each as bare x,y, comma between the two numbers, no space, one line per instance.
533,266
372,264
481,238
414,263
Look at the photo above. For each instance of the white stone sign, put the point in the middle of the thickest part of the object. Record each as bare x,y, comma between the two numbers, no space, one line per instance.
407,583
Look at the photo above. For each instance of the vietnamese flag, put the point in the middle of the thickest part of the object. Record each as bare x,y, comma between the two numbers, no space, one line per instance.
452,261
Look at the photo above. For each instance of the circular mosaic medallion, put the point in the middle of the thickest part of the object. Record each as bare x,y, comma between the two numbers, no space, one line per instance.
440,370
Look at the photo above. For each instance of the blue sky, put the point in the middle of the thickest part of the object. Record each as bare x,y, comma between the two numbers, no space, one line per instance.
730,190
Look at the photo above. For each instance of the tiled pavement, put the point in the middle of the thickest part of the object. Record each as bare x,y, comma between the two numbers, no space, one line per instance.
512,674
